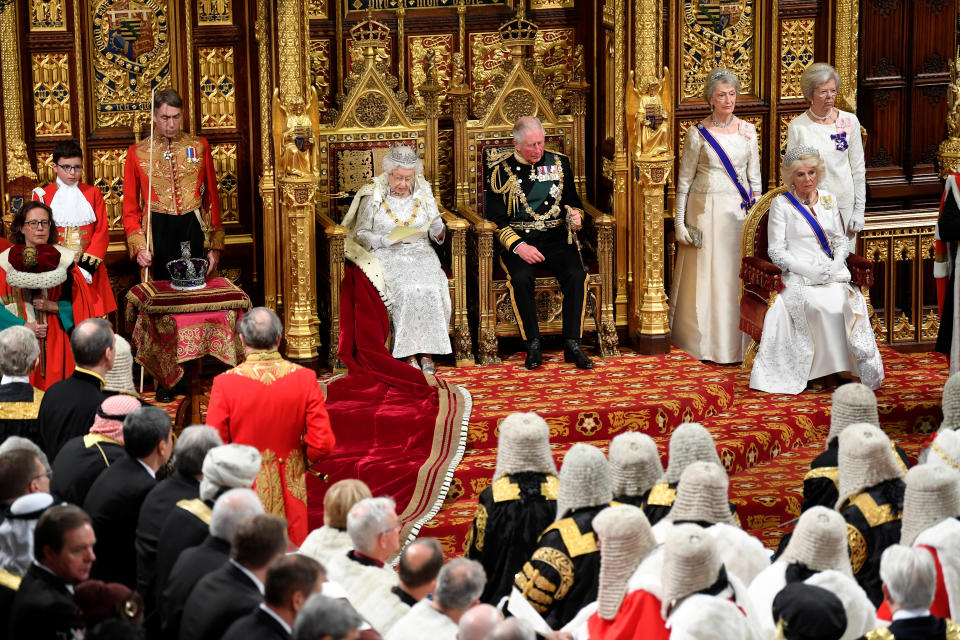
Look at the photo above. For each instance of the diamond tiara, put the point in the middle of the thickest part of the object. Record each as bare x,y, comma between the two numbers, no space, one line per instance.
795,152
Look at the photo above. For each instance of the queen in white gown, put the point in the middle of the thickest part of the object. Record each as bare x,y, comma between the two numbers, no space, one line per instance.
818,325
406,271
704,294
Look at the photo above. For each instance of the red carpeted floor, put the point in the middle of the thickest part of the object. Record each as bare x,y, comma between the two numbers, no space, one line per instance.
765,441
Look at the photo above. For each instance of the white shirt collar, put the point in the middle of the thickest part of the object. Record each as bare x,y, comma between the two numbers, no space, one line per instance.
50,571
906,614
153,474
273,614
70,207
11,379
249,574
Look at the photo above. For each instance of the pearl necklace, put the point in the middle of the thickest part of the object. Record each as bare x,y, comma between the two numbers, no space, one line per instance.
821,118
721,125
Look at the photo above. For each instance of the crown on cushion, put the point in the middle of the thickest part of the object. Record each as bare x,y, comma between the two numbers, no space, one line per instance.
187,273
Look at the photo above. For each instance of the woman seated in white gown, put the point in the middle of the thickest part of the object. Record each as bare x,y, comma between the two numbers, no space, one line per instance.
389,222
817,330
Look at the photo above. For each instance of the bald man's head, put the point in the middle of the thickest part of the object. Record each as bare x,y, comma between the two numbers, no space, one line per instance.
420,562
478,621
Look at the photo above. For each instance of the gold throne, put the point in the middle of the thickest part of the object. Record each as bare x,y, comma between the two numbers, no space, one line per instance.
371,117
480,143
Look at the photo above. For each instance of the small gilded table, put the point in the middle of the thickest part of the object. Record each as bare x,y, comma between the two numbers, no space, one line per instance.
174,327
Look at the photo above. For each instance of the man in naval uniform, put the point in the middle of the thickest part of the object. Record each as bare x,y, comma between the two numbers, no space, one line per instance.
531,198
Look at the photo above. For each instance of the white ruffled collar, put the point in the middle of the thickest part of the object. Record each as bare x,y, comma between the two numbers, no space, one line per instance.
70,207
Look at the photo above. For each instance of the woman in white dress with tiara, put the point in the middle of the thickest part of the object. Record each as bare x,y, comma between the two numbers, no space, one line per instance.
817,331
390,222
718,181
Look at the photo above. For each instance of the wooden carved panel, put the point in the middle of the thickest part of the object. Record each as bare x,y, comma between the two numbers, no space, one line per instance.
796,54
217,88
417,47
108,177
225,163
213,12
317,9
45,174
47,15
716,33
320,73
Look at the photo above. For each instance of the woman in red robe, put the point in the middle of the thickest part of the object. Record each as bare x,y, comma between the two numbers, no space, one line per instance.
41,287
81,218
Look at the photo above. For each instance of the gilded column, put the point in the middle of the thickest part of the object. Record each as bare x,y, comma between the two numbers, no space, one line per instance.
846,53
294,128
430,92
459,95
619,172
949,152
273,297
19,176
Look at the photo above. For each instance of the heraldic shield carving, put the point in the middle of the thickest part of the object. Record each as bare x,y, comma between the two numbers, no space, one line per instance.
131,56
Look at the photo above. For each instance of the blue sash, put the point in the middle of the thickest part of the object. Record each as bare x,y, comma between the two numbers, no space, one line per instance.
745,195
814,225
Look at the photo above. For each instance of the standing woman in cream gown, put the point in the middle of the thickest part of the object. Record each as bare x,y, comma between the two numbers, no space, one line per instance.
836,135
718,181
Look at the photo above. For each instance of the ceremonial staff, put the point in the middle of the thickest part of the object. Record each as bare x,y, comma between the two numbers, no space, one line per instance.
149,230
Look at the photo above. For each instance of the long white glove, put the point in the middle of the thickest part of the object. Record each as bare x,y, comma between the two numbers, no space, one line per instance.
87,276
816,273
680,229
856,223
437,226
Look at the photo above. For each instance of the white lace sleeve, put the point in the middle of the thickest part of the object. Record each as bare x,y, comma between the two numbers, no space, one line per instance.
688,168
777,234
364,227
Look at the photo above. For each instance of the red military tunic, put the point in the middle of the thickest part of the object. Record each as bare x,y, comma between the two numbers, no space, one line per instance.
276,406
184,181
88,241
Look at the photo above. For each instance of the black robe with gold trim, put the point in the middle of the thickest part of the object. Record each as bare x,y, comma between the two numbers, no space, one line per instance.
873,524
563,573
659,501
511,515
820,483
19,408
80,462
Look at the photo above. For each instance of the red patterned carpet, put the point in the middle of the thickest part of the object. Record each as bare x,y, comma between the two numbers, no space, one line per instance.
765,441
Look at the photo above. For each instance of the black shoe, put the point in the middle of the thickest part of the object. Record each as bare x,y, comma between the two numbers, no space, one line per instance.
573,353
165,395
534,357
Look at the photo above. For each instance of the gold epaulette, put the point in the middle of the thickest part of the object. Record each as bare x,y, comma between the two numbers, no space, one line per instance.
498,156
880,633
9,580
823,472
198,508
577,543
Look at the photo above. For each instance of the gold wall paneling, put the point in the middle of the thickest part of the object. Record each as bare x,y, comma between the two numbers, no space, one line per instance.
355,53
108,177
45,174
225,163
553,53
320,73
51,94
129,45
441,46
550,4
796,54
18,174
214,12
317,9
217,88
717,34
375,5
846,50
487,57
47,15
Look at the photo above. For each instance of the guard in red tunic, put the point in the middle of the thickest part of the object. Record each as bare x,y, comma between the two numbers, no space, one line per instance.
185,205
276,406
81,218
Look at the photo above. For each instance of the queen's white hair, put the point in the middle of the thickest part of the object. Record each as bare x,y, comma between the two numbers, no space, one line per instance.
389,165
909,575
815,75
719,76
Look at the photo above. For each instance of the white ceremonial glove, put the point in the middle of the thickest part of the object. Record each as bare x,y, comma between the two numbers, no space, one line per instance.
680,229
87,276
382,242
815,273
437,226
856,223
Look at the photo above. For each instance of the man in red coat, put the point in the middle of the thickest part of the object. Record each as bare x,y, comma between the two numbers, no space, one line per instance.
185,204
81,218
276,406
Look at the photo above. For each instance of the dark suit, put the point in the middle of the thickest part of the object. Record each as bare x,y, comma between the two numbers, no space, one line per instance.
922,628
218,599
187,525
156,507
68,409
113,504
548,189
193,564
19,411
43,608
9,583
259,624
80,462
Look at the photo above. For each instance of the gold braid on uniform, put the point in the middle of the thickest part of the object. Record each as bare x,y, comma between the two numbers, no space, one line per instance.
503,188
858,548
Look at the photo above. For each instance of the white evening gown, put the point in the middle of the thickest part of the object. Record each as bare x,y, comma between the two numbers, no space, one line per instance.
704,294
844,168
417,287
812,330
